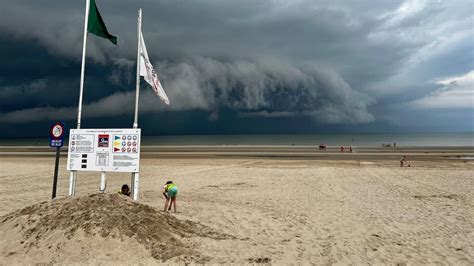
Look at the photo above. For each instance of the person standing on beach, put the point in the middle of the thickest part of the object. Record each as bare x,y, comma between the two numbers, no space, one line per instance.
170,191
403,160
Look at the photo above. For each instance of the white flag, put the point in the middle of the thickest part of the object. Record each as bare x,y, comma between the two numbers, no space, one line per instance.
148,72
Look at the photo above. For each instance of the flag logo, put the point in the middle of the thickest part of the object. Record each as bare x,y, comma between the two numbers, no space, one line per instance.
103,140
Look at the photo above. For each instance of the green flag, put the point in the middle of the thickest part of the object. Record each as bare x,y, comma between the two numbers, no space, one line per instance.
96,25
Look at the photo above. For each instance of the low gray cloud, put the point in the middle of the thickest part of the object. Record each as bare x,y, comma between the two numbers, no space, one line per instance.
113,105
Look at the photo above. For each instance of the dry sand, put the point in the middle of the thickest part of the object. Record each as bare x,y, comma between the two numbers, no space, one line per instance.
247,210
89,229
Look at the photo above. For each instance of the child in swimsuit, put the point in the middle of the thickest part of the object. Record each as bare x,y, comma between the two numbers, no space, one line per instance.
170,191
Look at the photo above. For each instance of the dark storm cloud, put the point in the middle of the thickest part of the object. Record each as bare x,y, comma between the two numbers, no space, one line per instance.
330,61
207,84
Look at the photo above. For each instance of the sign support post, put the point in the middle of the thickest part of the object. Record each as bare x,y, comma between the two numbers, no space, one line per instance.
55,178
72,183
103,182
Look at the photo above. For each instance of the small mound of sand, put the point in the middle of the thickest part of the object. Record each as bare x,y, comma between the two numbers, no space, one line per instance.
99,227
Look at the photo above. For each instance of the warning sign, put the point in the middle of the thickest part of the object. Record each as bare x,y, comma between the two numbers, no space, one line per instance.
83,143
110,150
56,138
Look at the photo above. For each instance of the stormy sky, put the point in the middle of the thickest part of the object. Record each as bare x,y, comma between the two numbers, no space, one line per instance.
243,66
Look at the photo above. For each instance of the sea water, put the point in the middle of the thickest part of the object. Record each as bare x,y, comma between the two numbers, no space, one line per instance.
337,139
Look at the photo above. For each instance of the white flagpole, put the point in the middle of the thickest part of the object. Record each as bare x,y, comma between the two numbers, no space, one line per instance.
83,65
137,86
72,177
136,176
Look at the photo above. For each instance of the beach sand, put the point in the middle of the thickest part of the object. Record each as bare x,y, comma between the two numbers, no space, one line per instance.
272,207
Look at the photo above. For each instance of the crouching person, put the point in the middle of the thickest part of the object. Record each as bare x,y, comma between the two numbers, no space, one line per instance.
170,191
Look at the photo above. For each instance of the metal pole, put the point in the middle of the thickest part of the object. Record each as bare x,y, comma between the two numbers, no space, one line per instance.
73,175
135,178
103,182
55,178
136,185
137,86
72,183
83,65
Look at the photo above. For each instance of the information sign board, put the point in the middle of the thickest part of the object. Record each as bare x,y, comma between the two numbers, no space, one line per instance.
104,150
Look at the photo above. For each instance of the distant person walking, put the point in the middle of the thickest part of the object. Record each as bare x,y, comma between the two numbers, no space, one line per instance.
403,160
170,191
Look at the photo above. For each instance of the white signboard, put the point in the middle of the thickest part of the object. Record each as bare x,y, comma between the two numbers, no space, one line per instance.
108,150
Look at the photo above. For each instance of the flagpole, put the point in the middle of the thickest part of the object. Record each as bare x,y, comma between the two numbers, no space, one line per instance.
72,177
136,176
137,86
83,65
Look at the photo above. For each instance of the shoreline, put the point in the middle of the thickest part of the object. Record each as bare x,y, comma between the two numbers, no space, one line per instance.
464,153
